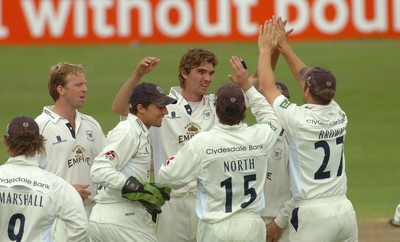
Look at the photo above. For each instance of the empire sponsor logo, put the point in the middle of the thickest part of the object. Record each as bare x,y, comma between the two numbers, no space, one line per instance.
191,130
79,157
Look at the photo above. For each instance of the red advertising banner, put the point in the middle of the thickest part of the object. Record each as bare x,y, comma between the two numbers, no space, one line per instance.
176,21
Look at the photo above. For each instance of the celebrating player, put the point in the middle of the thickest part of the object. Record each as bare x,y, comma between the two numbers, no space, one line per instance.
229,164
277,186
316,131
124,167
31,198
193,113
73,139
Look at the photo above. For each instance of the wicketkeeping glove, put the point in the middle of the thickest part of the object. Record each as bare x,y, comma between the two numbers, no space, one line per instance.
151,195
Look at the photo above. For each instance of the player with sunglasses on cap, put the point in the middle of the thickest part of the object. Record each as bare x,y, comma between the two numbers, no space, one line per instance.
126,200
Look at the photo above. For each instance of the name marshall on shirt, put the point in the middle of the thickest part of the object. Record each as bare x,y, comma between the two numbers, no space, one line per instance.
21,199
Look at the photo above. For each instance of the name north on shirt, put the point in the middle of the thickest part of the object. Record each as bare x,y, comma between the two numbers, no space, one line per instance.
233,149
239,165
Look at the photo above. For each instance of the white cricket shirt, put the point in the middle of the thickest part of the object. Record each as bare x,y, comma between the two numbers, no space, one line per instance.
316,138
178,127
32,198
277,184
229,164
126,154
70,153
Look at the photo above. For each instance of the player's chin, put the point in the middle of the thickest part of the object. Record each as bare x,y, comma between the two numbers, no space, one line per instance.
158,123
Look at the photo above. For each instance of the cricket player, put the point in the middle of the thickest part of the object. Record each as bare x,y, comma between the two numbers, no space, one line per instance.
73,139
193,113
316,131
277,185
126,200
32,198
395,221
229,164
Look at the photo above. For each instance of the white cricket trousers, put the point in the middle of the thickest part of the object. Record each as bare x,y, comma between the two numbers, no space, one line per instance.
178,220
237,228
324,220
127,221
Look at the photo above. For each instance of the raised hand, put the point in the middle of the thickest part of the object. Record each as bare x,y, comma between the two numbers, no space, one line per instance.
240,75
146,65
267,36
281,31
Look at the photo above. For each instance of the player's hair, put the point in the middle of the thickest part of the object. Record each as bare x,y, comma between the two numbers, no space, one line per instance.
230,105
133,109
27,148
324,97
194,58
58,75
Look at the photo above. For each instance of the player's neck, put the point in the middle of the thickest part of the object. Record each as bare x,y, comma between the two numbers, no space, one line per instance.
65,111
191,97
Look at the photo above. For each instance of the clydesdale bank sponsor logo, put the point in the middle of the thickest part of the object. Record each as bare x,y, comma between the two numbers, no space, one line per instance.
234,149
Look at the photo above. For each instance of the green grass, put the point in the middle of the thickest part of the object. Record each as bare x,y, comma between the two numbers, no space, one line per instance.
367,72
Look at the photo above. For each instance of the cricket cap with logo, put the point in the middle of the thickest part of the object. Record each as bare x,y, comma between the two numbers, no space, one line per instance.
230,98
320,81
150,93
23,129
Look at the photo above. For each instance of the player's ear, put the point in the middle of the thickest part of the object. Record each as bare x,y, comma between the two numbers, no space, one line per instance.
140,108
60,90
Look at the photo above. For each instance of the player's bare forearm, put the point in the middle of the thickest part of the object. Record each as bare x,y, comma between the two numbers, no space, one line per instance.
121,101
274,233
81,189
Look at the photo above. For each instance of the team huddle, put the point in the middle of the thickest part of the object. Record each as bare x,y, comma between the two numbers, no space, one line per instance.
215,177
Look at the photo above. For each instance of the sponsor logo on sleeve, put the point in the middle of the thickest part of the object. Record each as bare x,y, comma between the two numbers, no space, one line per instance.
284,104
166,163
110,155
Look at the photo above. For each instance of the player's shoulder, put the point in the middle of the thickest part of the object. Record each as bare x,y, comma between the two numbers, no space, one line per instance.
46,115
210,97
88,119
